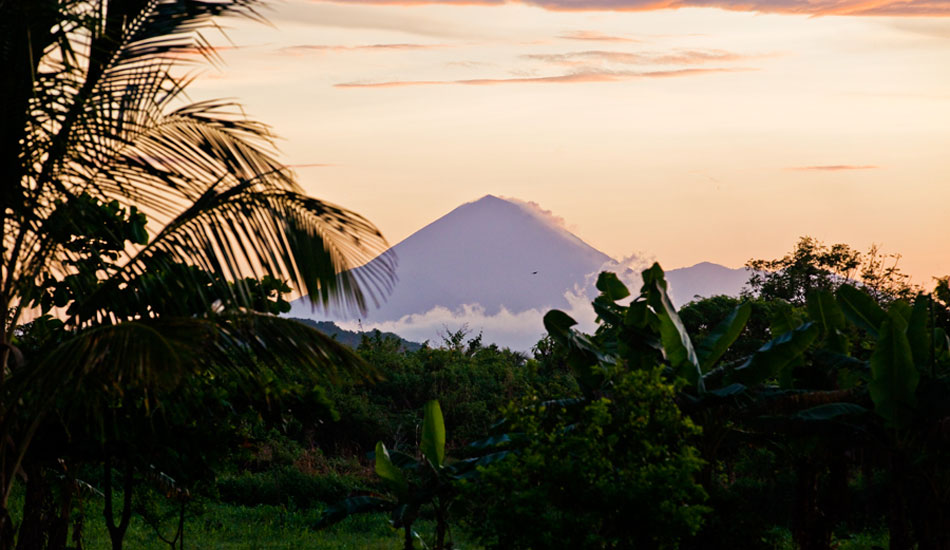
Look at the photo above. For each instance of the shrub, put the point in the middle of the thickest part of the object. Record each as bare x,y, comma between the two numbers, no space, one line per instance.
286,486
613,472
472,381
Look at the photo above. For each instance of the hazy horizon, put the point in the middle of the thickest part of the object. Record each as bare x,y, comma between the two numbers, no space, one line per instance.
692,134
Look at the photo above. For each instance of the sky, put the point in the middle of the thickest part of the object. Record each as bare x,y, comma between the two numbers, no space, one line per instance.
683,130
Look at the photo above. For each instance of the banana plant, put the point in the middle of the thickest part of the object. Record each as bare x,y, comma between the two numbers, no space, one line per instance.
414,482
648,331
841,373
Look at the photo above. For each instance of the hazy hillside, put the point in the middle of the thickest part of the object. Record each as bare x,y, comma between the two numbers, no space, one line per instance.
705,279
353,338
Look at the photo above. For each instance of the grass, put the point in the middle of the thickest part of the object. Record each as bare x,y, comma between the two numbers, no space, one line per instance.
228,527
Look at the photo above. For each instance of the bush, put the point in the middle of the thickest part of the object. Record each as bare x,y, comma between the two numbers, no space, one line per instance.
613,472
286,486
473,382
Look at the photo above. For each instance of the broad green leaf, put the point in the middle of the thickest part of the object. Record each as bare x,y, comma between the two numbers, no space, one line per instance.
611,286
848,370
583,356
861,309
824,310
433,434
776,355
894,377
902,308
468,468
941,341
608,311
783,318
558,323
917,334
722,336
490,442
729,391
830,411
403,461
638,315
677,346
389,473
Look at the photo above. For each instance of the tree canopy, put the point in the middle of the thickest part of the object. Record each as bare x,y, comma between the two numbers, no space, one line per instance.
147,237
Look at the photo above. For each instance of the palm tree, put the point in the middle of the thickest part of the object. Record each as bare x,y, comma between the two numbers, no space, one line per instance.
96,134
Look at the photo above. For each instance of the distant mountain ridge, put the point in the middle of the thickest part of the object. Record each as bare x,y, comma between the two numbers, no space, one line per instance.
705,279
353,338
508,261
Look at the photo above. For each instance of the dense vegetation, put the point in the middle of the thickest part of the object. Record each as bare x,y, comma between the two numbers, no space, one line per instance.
148,243
150,393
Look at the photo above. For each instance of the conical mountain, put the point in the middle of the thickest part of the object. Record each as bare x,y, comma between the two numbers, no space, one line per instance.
492,252
496,266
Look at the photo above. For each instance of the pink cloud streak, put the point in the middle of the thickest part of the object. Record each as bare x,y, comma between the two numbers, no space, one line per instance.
908,8
594,36
572,78
833,168
687,57
307,48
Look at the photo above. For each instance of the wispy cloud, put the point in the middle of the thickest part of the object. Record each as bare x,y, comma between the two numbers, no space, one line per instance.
594,36
570,78
208,49
356,15
833,167
542,213
301,49
913,8
312,165
928,28
467,64
685,57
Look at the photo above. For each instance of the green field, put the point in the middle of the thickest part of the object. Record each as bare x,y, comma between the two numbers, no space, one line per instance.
225,527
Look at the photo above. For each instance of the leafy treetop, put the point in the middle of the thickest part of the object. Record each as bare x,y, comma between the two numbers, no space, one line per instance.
813,265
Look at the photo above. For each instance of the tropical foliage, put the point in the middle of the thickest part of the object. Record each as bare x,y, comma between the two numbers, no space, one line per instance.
813,265
838,388
98,140
411,482
149,244
616,471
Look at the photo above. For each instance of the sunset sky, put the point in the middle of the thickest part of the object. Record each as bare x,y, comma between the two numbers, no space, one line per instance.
686,131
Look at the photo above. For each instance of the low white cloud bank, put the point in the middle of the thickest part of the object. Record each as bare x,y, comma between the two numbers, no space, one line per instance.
628,270
520,330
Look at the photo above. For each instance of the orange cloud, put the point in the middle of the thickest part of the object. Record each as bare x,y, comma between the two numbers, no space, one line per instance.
688,57
833,168
595,36
910,8
571,78
207,48
307,48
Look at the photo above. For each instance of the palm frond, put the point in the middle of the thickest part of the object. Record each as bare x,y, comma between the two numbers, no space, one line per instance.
255,229
102,76
98,367
111,122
